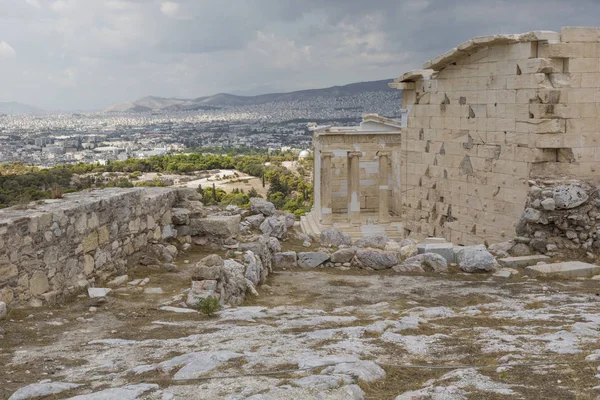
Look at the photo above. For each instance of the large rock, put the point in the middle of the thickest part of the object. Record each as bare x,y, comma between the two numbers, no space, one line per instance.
274,245
376,259
222,226
520,250
289,259
209,268
262,248
408,251
445,250
290,219
180,216
375,242
569,196
532,215
570,269
261,206
312,259
235,286
335,237
422,263
254,268
343,255
255,220
274,226
475,259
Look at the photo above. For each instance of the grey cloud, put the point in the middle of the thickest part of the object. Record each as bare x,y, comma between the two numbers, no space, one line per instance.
85,54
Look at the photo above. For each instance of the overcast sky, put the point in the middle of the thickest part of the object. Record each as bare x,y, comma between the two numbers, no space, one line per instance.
87,54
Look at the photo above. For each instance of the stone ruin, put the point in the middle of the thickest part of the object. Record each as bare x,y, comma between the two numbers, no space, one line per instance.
479,124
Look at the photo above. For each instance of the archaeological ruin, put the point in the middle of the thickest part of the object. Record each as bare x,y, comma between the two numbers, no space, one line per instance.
490,128
451,254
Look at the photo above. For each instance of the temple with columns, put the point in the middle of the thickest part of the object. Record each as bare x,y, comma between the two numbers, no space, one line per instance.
354,173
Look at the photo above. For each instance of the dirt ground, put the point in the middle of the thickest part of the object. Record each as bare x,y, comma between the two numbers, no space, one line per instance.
319,334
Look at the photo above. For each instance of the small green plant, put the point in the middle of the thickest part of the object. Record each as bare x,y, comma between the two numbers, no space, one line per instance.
56,192
208,305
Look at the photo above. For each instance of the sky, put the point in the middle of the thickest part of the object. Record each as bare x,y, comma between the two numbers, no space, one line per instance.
88,54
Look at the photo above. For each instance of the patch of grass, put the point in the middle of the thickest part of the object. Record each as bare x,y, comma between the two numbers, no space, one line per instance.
536,305
343,282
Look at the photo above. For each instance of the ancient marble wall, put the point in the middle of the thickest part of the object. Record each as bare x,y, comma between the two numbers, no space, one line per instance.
497,112
61,247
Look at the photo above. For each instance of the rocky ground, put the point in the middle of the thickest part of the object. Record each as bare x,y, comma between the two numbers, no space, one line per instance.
321,333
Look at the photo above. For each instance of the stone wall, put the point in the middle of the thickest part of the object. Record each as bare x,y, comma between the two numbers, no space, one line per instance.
62,246
487,117
561,215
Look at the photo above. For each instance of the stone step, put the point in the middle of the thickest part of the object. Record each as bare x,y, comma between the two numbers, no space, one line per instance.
569,269
522,262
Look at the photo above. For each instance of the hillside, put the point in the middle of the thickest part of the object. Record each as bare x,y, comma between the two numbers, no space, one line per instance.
13,108
225,99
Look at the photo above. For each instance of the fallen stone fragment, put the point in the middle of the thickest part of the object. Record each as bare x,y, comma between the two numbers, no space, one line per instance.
312,259
445,250
423,262
569,269
288,259
262,206
179,310
98,292
475,259
522,262
274,226
375,242
408,251
153,290
376,259
42,390
343,255
335,237
3,310
255,220
118,281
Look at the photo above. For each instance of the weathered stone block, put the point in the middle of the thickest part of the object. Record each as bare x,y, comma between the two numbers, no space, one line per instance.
571,269
522,262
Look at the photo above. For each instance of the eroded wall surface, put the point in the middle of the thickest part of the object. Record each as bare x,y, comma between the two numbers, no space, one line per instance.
62,247
500,111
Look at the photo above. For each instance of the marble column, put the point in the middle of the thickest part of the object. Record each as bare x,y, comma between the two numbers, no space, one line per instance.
326,202
354,187
384,207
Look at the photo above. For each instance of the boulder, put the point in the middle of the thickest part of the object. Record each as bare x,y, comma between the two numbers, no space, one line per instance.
43,389
274,245
209,268
539,245
343,255
261,206
235,284
375,242
180,216
569,196
262,249
255,220
392,245
377,260
475,259
335,237
222,226
408,251
274,226
312,259
423,262
254,268
520,250
289,259
290,219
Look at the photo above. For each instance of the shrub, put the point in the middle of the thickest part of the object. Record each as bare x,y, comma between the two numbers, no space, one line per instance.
56,192
208,305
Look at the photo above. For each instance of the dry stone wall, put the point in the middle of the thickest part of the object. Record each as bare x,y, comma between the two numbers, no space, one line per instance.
487,117
66,245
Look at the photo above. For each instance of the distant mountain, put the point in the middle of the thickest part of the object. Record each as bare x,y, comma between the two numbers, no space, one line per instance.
19,109
153,103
